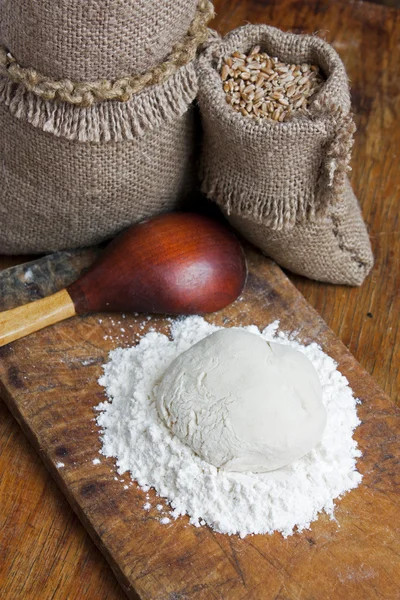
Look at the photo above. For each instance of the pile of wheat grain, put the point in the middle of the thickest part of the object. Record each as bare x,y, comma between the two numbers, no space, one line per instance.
259,86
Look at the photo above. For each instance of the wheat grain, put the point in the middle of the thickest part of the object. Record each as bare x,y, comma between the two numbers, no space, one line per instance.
260,86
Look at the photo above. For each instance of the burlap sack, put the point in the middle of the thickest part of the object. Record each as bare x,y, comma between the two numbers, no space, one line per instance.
284,185
93,39
82,158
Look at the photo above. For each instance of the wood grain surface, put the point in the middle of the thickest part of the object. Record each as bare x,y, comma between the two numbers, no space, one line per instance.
49,382
44,551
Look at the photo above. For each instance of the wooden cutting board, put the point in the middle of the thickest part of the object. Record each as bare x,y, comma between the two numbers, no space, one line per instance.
49,382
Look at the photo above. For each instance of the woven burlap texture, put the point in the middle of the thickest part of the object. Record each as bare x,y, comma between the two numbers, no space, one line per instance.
75,176
283,179
93,39
57,193
85,93
335,250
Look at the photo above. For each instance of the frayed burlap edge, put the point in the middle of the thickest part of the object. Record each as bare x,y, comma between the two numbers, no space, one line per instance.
106,121
327,112
335,163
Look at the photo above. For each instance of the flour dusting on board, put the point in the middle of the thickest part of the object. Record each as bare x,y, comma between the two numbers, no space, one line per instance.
284,500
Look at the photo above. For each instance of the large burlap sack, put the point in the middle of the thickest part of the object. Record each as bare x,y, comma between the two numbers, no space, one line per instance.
96,118
284,186
93,39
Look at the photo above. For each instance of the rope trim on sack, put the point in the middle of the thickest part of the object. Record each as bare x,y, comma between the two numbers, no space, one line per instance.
105,121
84,94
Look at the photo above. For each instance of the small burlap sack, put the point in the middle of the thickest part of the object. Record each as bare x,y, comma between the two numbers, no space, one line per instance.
284,186
96,119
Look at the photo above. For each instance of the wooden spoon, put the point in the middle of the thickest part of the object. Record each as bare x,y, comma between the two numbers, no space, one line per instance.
177,263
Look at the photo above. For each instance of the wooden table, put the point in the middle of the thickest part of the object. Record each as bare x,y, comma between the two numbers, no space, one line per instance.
44,551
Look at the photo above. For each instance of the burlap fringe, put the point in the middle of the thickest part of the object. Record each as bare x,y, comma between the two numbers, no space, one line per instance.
268,211
285,213
106,121
336,161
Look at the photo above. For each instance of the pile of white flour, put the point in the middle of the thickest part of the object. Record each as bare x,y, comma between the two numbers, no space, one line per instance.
234,503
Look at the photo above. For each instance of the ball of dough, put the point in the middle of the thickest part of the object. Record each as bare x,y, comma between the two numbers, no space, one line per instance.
241,403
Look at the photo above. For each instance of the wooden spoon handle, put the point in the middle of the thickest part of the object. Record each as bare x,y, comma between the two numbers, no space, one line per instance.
23,320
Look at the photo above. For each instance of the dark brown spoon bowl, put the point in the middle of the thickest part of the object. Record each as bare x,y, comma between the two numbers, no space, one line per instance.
176,263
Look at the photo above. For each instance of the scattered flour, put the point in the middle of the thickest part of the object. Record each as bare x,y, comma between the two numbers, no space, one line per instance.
28,276
60,465
284,500
96,461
